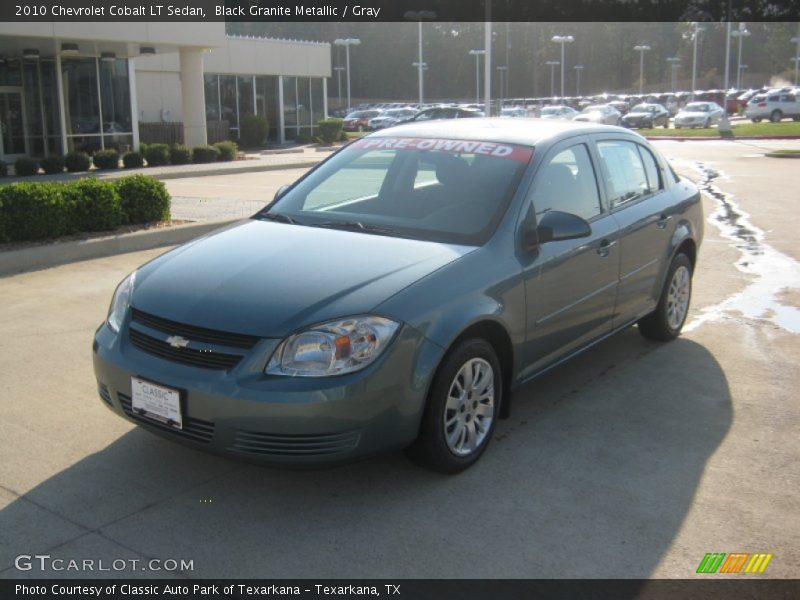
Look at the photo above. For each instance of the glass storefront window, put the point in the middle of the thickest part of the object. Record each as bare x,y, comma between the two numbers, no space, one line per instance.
227,89
317,102
116,100
267,102
10,74
303,102
81,103
211,83
289,103
246,106
33,107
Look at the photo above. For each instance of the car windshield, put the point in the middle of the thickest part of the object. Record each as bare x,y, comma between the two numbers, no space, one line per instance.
591,109
453,191
648,108
552,110
696,107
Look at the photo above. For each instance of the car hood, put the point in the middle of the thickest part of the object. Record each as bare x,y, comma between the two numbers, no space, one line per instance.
589,117
691,115
268,279
639,115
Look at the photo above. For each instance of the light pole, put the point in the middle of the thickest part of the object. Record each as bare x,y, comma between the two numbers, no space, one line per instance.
674,62
694,35
578,69
339,83
477,54
562,39
552,64
502,70
796,40
419,16
347,42
740,33
742,69
641,49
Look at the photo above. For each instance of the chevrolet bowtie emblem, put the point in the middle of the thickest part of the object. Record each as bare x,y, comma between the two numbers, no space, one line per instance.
177,341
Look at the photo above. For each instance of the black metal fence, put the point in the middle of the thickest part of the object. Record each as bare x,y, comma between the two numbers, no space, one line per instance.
171,132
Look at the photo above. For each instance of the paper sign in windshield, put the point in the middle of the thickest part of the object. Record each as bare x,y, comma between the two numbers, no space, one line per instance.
498,150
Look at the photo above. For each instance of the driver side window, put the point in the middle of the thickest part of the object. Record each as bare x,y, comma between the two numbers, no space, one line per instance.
567,183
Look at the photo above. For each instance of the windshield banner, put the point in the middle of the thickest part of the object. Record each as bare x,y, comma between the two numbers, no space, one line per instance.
508,151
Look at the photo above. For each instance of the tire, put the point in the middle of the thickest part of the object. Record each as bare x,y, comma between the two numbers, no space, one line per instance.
756,120
776,116
447,411
666,321
707,124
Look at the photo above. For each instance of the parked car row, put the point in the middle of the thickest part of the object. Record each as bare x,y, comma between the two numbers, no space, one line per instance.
634,112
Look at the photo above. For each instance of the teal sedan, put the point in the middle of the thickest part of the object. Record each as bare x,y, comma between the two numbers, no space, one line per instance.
394,296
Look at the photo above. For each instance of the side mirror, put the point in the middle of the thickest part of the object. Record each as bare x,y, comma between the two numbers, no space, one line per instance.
280,192
556,226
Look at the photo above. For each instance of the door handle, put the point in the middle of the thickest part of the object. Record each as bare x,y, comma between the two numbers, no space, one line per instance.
605,247
663,220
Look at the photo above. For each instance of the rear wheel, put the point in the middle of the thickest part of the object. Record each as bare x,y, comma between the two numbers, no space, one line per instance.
756,120
776,116
666,321
461,411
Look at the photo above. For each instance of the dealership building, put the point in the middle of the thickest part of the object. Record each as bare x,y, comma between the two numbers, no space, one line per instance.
86,86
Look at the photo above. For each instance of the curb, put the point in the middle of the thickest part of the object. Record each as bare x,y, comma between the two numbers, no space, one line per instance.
781,155
59,253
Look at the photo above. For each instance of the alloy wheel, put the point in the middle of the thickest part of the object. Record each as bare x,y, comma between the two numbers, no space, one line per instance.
469,409
678,297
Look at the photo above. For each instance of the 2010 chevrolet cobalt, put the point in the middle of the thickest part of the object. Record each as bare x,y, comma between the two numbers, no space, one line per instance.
396,294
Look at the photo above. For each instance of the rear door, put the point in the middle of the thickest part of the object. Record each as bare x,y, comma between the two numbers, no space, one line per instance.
570,285
641,205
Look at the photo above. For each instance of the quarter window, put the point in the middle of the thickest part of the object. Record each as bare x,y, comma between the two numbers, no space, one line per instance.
625,174
567,183
651,170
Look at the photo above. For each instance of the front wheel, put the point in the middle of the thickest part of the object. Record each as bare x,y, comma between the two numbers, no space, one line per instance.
776,116
666,321
462,409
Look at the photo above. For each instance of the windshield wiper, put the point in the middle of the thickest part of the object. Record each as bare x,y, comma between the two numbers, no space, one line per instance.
276,216
359,226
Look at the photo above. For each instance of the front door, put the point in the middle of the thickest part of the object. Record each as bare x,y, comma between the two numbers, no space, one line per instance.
570,286
13,142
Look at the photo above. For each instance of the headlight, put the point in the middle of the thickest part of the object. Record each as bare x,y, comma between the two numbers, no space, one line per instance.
120,303
333,348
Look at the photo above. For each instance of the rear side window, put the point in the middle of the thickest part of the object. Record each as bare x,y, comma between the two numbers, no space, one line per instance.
567,183
651,170
626,178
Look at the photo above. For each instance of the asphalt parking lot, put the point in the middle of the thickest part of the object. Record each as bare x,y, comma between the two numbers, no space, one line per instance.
634,460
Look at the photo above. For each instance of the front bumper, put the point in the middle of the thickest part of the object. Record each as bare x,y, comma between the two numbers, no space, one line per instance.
298,421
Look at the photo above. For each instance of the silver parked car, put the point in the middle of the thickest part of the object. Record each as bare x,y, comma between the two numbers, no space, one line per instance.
774,106
391,117
699,114
558,112
600,114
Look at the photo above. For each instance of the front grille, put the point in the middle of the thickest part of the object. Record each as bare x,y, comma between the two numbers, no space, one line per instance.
199,334
206,358
196,430
102,389
250,442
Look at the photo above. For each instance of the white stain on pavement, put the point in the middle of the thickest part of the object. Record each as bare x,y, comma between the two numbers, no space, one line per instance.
773,271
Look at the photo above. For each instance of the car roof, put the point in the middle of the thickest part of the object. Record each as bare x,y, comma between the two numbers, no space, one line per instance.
526,132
